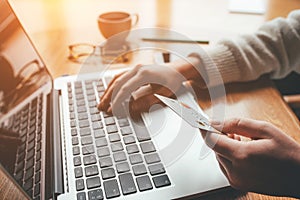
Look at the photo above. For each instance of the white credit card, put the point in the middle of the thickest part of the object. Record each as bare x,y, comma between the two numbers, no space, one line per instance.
247,6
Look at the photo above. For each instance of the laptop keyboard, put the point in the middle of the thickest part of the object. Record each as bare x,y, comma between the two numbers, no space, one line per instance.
28,123
111,155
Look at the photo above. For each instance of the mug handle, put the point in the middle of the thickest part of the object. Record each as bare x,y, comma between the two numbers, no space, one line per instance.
136,16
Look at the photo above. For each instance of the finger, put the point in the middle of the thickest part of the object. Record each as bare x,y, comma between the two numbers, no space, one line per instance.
144,103
122,94
246,127
221,144
113,80
115,87
105,99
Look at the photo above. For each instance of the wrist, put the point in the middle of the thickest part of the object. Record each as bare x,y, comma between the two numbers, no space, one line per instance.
191,69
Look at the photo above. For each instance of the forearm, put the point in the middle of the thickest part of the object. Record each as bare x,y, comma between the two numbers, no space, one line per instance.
273,49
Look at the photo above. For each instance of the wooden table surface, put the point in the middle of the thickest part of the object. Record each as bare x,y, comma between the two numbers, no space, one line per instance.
55,24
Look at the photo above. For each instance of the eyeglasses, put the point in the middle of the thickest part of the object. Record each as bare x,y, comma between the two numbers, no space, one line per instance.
89,53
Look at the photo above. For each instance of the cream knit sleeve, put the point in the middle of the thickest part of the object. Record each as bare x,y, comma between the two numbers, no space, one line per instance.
274,49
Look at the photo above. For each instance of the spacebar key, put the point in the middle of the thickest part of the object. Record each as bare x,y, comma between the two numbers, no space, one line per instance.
127,184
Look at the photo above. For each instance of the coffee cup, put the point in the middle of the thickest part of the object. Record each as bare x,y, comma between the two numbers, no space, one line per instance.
117,24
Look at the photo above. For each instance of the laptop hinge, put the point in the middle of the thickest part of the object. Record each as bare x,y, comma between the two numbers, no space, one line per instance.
57,169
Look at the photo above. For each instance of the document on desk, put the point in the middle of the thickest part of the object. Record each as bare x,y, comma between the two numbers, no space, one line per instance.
247,6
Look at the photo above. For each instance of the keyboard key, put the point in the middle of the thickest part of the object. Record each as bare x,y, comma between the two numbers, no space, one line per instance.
111,188
105,115
72,123
79,96
88,150
29,163
97,125
77,161
142,133
96,194
147,147
152,158
90,92
79,184
91,171
82,116
92,104
114,137
96,118
103,152
91,98
94,111
74,132
76,150
127,184
101,142
119,156
123,122
90,159
108,173
135,159
75,141
156,169
93,182
129,139
85,131
78,172
122,167
139,169
78,85
99,133
29,173
80,103
38,166
111,129
37,177
36,189
86,140
81,109
126,130
81,196
116,146
161,181
84,123
144,183
105,162
109,121
132,149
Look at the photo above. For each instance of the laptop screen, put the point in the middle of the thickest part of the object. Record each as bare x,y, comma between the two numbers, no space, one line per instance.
22,71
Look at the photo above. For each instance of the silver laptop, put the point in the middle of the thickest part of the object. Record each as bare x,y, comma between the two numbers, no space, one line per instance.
55,144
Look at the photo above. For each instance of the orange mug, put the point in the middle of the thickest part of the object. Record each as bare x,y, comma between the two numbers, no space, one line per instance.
114,23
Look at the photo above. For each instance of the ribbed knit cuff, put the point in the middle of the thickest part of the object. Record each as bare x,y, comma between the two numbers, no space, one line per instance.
219,64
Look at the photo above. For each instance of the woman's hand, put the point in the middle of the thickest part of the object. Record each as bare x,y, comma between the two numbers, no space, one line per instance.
269,163
142,82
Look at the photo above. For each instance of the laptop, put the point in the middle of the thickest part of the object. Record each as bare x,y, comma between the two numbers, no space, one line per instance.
55,144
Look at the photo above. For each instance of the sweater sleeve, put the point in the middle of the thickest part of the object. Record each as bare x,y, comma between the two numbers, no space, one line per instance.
274,49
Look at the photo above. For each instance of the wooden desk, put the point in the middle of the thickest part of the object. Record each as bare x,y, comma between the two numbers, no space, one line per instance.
55,24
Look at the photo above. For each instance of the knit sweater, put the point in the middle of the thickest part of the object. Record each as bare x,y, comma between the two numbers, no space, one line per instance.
274,49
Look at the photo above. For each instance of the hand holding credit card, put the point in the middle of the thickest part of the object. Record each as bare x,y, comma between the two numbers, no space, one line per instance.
187,113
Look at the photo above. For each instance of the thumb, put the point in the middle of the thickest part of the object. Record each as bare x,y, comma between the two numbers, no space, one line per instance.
246,127
221,144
